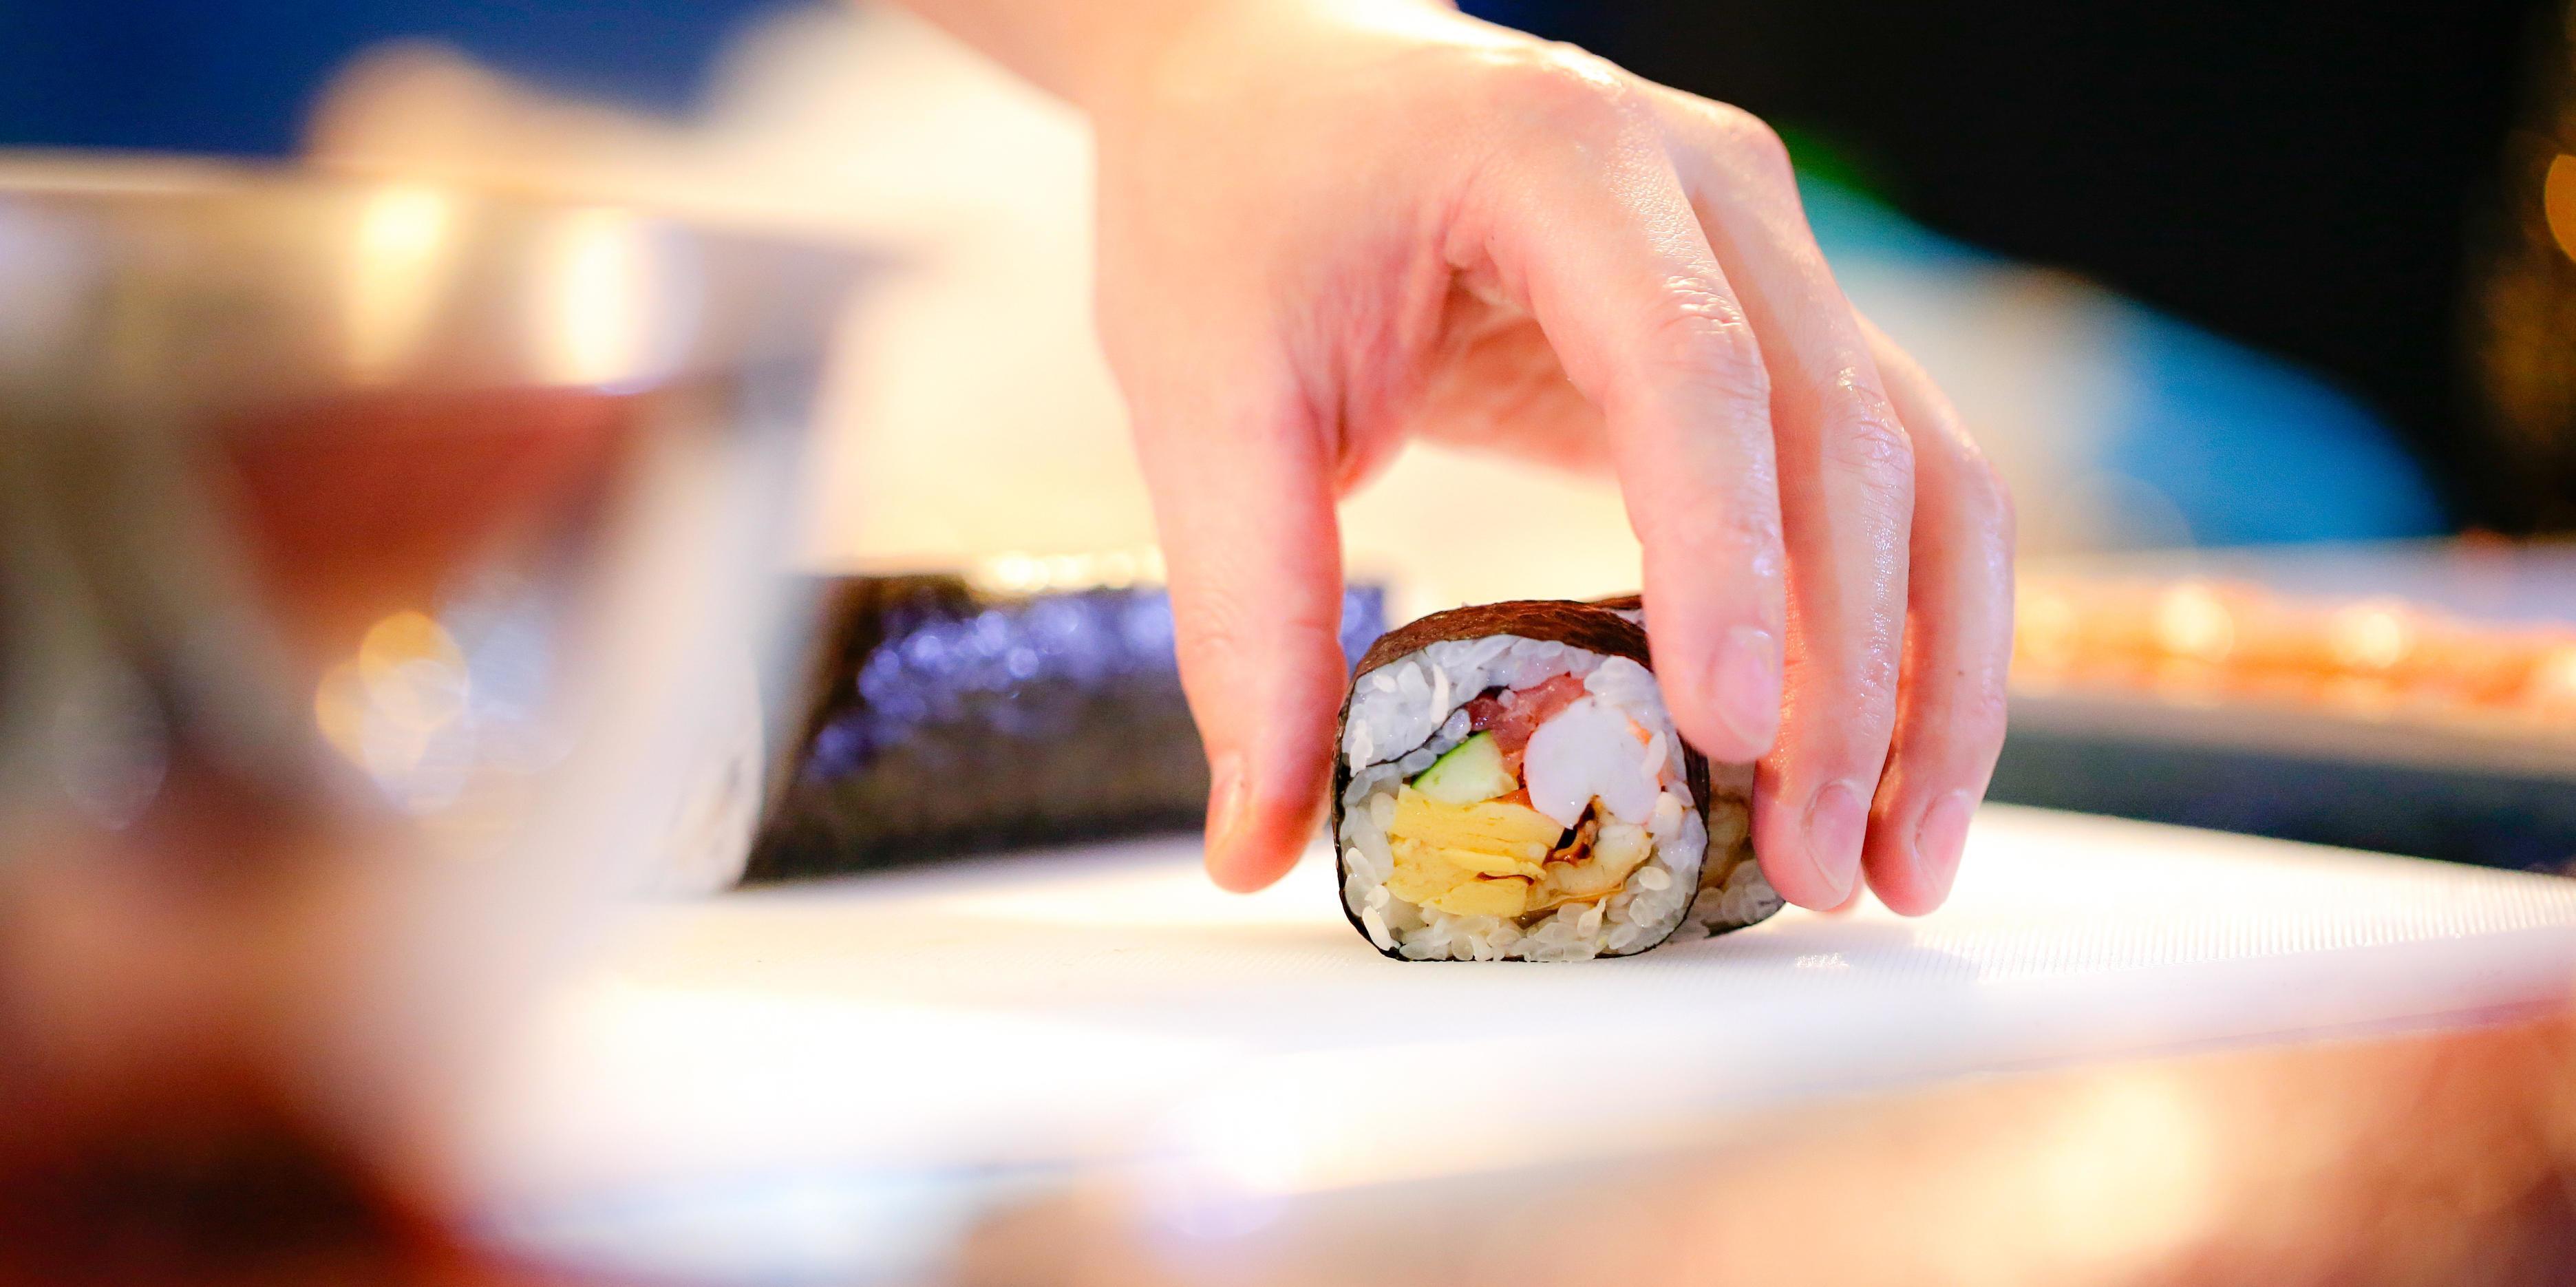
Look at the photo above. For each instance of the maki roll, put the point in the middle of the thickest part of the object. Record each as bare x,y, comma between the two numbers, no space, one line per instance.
1507,785
1628,607
996,708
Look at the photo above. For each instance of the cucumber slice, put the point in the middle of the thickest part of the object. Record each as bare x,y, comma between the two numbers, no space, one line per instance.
1472,772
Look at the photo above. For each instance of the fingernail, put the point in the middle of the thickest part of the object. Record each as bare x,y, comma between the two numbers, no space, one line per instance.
1835,824
1744,682
1225,800
1939,839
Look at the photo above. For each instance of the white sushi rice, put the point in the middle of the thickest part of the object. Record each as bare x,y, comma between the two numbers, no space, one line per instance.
1744,896
1407,713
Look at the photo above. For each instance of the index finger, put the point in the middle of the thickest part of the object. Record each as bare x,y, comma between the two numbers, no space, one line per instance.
1241,482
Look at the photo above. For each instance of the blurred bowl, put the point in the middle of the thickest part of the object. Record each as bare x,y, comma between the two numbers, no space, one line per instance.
376,559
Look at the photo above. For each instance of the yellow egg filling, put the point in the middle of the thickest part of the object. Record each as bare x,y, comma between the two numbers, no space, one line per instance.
1498,858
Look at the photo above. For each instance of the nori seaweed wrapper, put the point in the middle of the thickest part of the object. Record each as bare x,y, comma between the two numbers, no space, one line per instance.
1593,627
946,720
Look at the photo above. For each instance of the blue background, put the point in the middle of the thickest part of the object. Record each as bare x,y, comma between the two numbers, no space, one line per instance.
236,76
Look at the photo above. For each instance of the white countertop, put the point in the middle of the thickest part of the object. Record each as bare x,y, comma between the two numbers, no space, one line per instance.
818,1082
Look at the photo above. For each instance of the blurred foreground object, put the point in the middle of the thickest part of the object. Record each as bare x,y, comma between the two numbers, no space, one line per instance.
372,559
1029,701
2415,700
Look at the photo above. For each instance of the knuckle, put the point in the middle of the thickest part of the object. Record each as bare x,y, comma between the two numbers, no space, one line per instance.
1750,142
1999,499
1563,90
1862,746
1985,498
1873,445
1977,503
1221,625
1689,540
1699,334
1212,626
1956,704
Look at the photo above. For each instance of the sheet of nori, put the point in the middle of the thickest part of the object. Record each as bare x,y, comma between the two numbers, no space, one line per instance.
1580,625
943,720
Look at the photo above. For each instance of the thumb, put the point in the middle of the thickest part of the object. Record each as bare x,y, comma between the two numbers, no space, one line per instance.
1241,479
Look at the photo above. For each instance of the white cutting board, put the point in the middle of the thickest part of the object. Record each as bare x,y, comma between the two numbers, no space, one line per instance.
814,1083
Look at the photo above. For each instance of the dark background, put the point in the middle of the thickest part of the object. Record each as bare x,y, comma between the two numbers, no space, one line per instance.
2302,176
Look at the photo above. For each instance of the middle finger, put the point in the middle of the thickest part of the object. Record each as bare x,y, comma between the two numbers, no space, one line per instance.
1846,500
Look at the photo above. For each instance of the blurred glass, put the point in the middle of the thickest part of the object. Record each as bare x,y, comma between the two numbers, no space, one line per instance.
374,558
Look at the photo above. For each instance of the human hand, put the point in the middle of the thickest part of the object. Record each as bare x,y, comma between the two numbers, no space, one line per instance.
1326,228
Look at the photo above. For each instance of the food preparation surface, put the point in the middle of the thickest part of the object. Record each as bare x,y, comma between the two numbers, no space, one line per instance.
858,1061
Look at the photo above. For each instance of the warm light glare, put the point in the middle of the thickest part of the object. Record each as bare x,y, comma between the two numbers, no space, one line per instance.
2558,200
401,246
401,649
2369,636
399,710
340,710
2121,1174
598,312
2192,621
2378,655
1019,573
2553,681
2048,627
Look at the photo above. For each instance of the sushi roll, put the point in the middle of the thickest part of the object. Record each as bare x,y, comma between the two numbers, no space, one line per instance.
1507,785
1002,707
1630,608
